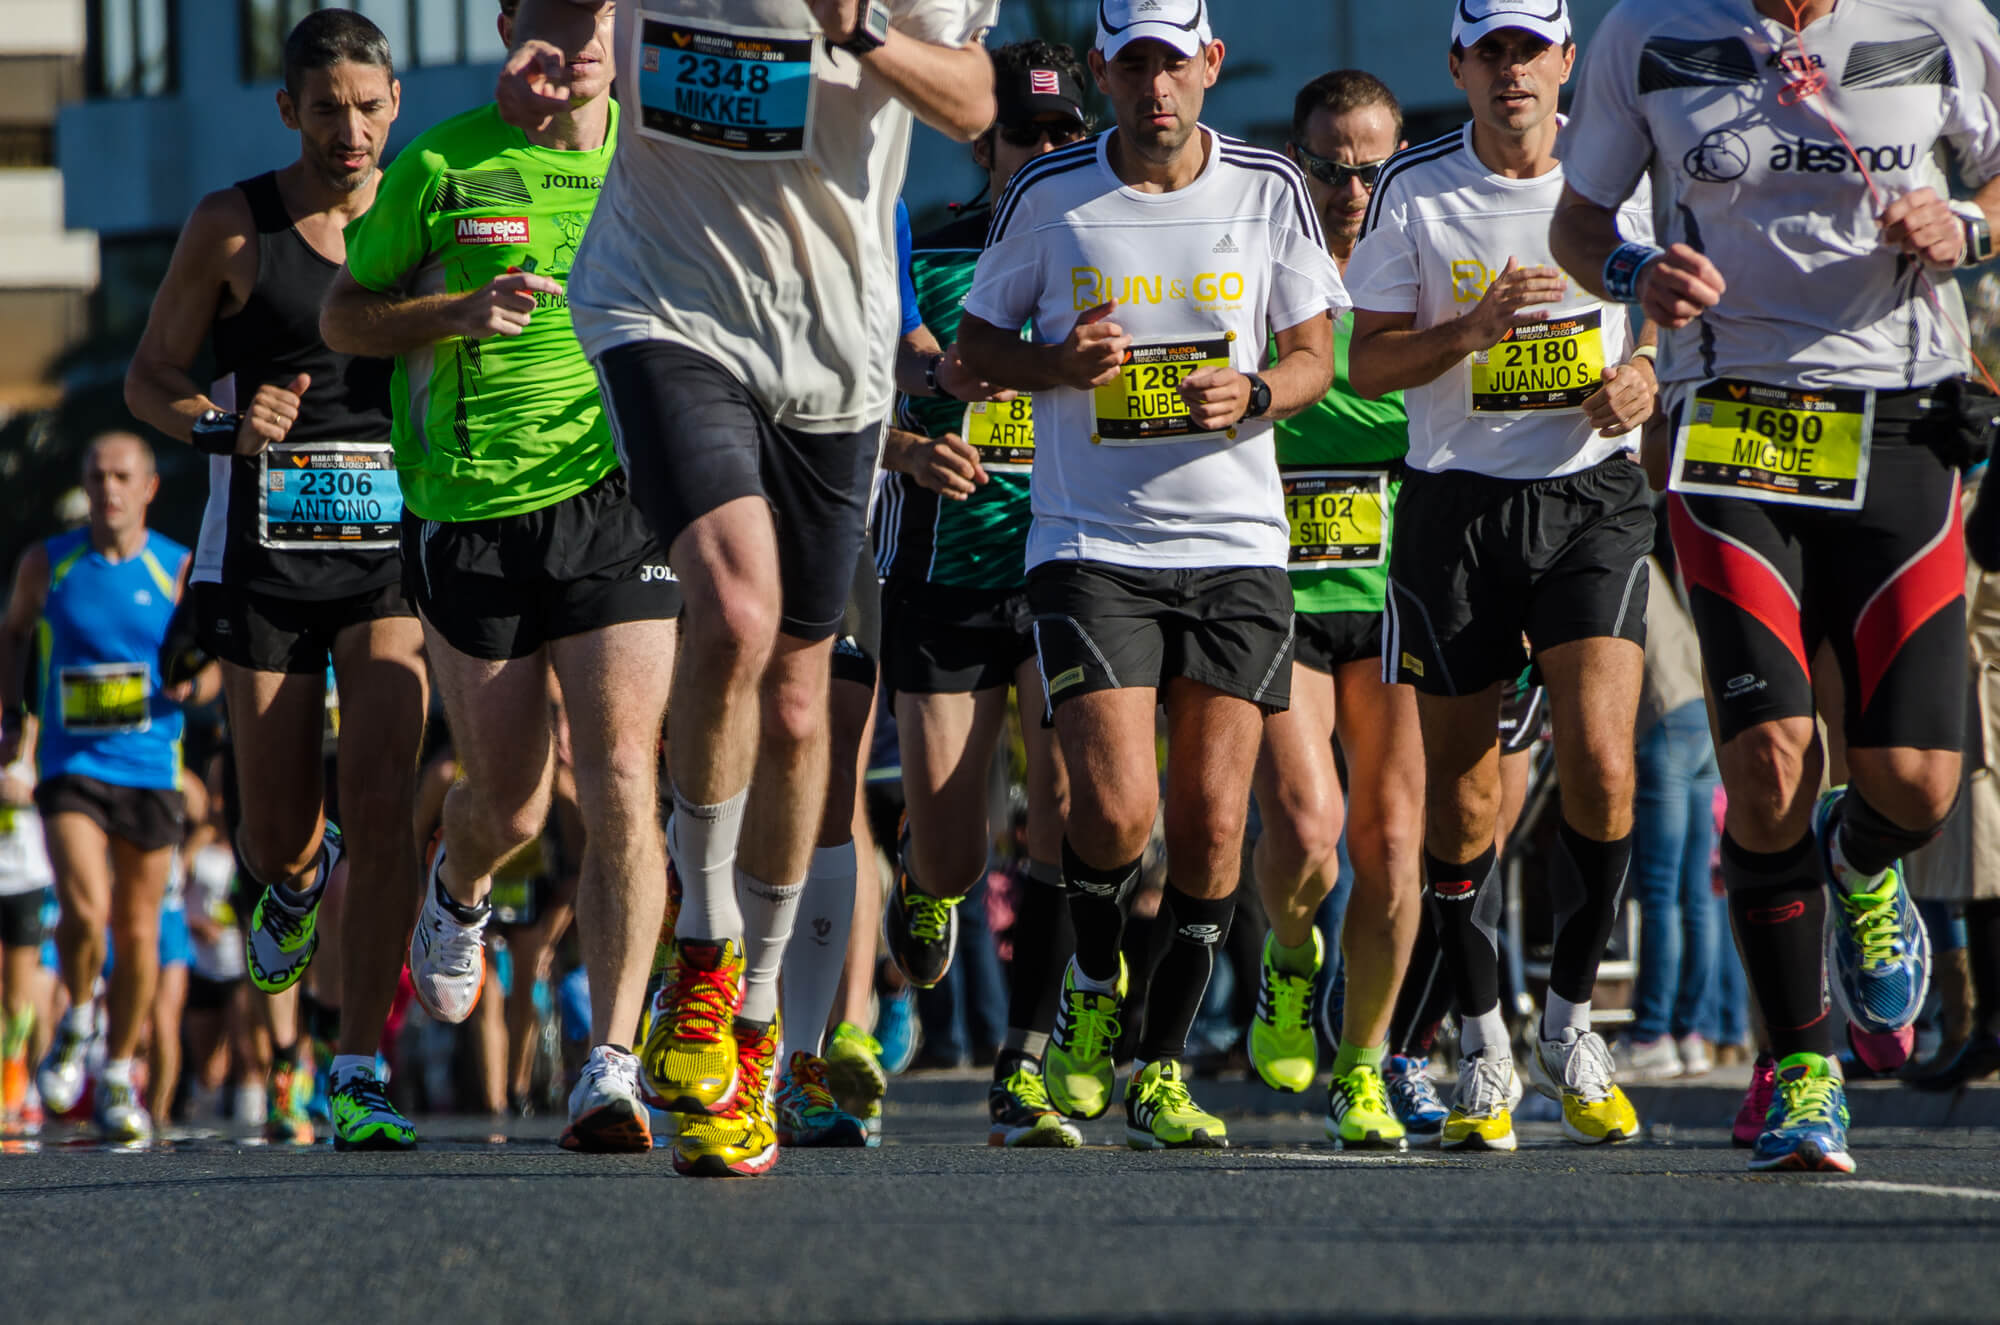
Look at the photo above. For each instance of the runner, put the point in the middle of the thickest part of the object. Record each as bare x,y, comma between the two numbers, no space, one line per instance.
297,565
1529,517
523,548
953,537
1814,402
92,606
735,295
25,876
1340,460
1154,264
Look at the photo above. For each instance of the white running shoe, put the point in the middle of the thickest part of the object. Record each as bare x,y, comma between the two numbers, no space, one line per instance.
447,955
120,1115
64,1070
1648,1060
606,1114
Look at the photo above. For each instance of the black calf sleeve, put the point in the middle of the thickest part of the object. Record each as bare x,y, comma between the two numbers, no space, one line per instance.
1588,880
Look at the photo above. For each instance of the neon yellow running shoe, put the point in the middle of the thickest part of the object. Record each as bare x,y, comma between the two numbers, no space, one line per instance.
1018,1104
1284,1046
1359,1115
741,1141
1577,1071
854,1070
1078,1068
1482,1106
690,1058
283,935
1161,1115
363,1117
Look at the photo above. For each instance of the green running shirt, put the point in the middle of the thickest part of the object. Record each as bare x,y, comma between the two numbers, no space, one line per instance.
505,425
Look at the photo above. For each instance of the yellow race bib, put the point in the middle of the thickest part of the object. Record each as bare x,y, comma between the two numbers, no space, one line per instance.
1144,402
1776,444
107,697
1541,367
1003,433
1338,517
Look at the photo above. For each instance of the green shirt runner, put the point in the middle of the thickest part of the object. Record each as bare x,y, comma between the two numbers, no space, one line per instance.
507,425
1350,431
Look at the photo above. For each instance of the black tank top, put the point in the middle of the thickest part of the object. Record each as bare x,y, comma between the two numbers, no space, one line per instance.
273,339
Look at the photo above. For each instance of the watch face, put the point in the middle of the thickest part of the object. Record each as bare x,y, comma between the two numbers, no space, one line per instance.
876,21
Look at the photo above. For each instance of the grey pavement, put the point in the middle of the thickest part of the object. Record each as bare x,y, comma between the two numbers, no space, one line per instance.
491,1223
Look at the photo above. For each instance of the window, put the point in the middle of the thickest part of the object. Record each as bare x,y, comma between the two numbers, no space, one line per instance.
132,51
421,32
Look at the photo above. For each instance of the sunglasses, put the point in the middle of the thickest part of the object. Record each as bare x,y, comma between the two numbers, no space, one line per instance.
1335,174
1035,133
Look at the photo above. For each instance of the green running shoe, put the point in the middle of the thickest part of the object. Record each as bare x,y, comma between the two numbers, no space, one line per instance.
1284,1046
1078,1068
363,1118
1359,1115
854,1071
1161,1115
283,938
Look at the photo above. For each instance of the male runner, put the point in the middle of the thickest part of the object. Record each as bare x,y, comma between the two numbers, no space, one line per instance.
1154,264
1812,404
1525,515
297,565
522,547
736,293
953,538
1340,459
93,605
25,876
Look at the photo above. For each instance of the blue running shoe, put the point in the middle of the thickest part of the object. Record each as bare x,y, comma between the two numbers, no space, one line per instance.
897,1031
1806,1129
1877,946
1414,1097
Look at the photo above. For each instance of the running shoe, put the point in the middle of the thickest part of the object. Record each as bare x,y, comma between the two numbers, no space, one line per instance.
805,1111
1806,1130
1877,946
14,1076
1414,1097
1161,1115
1022,1116
854,1071
1078,1068
1482,1105
121,1117
898,1030
363,1117
920,931
1577,1071
606,1115
690,1056
285,1120
283,937
1284,1046
447,955
1697,1058
1359,1115
60,1077
1880,1054
1649,1060
1749,1124
740,1141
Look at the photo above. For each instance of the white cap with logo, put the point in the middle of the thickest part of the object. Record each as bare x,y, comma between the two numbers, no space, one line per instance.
1181,24
1547,19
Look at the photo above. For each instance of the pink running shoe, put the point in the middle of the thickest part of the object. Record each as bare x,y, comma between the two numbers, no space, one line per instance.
1756,1101
1882,1053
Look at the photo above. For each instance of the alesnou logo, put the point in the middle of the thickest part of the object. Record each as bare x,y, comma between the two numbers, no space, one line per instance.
1091,286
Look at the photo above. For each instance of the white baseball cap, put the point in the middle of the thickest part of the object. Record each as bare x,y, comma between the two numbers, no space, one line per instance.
1181,24
1547,19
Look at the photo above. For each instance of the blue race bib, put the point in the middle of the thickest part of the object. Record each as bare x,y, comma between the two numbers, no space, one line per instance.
726,89
329,495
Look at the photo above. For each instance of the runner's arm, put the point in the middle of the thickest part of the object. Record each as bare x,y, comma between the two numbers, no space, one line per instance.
1673,290
158,388
358,320
1304,370
949,88
998,354
17,630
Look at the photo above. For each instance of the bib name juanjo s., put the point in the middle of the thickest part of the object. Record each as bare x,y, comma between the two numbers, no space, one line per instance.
1091,286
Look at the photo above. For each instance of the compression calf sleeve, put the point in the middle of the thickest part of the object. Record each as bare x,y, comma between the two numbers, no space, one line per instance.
1588,880
1777,906
1465,908
1180,981
1868,843
702,839
1097,910
769,910
1044,939
818,951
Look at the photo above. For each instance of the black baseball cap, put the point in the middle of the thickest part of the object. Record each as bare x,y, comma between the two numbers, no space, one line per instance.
1036,92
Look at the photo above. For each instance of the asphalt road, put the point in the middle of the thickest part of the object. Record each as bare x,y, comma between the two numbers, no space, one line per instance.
935,1226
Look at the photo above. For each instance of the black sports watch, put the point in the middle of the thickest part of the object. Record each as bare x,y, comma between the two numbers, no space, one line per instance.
1260,397
214,433
871,33
938,388
1978,242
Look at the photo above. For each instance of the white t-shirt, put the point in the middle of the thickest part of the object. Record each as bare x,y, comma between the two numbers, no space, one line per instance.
1692,93
24,854
1440,229
209,876
1202,274
749,212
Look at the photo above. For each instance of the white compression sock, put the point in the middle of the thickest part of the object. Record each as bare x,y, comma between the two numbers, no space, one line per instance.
1484,1035
703,839
769,911
1561,1013
814,960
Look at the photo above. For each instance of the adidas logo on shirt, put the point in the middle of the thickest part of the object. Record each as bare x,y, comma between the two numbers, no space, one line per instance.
1225,245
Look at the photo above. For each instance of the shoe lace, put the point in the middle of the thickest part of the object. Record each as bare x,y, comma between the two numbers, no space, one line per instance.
703,1002
1415,1092
1813,1100
1365,1090
752,1073
1588,1070
1484,1083
1168,1093
1028,1089
849,1031
1871,919
1092,1026
363,1092
807,1076
282,922
620,1071
1291,1000
458,945
930,917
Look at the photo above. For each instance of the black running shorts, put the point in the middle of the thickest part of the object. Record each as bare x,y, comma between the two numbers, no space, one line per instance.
262,633
1328,641
946,639
857,649
149,818
502,588
1104,627
1480,561
693,439
21,919
1883,585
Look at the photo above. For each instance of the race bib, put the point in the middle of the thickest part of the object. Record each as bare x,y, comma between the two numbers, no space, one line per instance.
1338,517
1144,404
105,697
1003,433
1775,444
718,87
1540,367
320,496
